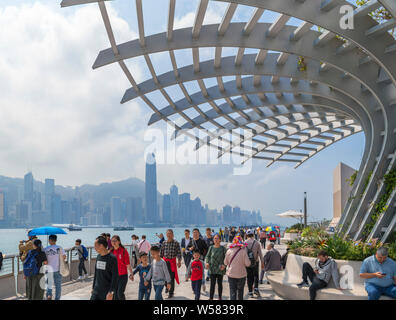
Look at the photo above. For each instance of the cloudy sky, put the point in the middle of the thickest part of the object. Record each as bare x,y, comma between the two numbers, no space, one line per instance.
61,119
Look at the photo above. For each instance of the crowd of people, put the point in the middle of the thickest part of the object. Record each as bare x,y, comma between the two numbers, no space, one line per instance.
234,252
205,257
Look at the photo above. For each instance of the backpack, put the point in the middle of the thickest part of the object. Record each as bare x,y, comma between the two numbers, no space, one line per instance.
85,252
30,266
251,255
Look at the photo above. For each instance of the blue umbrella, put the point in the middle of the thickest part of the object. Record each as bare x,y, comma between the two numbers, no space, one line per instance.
46,231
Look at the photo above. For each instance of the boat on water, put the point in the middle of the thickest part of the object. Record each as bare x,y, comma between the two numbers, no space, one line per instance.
74,228
70,227
123,228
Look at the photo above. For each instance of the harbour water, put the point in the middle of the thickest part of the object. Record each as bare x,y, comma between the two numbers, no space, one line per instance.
9,238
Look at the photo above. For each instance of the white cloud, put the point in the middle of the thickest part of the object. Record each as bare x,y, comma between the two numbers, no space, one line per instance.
187,20
58,116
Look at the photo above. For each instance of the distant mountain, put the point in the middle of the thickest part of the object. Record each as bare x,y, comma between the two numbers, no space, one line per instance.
100,194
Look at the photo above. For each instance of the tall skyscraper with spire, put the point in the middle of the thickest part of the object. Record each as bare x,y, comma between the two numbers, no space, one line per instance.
151,190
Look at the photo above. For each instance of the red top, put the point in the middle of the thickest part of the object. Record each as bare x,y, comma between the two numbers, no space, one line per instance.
272,235
196,270
122,260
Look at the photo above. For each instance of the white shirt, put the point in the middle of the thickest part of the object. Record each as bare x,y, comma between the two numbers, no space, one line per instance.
52,253
135,245
187,241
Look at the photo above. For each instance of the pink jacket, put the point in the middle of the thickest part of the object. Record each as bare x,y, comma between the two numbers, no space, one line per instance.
237,269
144,246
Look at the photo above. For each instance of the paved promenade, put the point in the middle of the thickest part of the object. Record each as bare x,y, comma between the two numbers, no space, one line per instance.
183,291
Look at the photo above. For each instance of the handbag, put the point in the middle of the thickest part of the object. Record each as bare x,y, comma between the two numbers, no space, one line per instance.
63,266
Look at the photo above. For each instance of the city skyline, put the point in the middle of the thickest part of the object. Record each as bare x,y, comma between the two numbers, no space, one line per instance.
38,208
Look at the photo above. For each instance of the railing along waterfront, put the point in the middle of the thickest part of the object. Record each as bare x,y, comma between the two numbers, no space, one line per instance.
13,285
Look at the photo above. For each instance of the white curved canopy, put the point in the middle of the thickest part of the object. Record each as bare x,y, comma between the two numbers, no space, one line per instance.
303,90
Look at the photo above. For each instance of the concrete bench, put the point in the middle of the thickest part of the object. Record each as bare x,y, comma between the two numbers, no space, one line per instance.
284,282
290,236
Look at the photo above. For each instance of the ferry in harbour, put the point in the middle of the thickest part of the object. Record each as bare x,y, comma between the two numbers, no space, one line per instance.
70,227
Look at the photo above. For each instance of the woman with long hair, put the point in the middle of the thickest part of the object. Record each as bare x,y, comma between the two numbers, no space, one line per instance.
33,271
124,266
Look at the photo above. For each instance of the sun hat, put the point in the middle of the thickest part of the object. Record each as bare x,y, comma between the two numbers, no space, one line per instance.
249,232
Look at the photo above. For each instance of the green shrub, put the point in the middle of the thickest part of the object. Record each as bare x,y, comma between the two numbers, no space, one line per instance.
295,228
381,206
352,178
312,232
315,239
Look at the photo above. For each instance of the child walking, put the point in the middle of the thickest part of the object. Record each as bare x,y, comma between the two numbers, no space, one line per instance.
143,269
158,273
195,273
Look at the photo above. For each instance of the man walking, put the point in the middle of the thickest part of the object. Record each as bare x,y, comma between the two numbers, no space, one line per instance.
226,234
186,244
170,250
209,242
106,272
54,253
82,257
263,237
135,251
199,244
255,254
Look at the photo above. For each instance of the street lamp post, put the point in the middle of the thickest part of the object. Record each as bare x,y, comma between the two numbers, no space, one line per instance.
305,210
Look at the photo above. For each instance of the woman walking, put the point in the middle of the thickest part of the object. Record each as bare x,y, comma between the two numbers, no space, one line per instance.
237,260
215,264
124,266
33,271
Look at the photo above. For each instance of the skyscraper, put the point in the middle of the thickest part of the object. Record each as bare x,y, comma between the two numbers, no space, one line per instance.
134,210
236,215
48,192
22,211
195,216
174,198
115,206
227,214
56,211
76,210
185,208
28,187
151,190
66,211
166,208
3,214
36,205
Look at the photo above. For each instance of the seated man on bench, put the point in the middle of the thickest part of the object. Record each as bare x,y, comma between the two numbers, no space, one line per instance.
325,268
380,273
